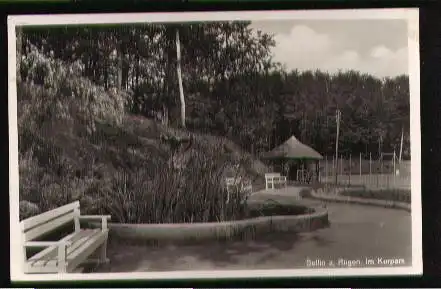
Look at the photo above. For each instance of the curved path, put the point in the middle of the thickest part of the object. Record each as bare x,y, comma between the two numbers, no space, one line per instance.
356,232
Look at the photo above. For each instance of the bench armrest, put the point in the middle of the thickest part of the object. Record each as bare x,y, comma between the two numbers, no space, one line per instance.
62,245
97,217
37,244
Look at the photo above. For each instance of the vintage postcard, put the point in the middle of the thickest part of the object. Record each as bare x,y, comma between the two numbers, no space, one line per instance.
215,145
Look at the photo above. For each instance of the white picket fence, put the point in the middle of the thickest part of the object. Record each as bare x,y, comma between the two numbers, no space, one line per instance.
374,174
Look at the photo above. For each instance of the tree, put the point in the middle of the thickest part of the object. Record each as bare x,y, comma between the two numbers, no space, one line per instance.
232,85
178,70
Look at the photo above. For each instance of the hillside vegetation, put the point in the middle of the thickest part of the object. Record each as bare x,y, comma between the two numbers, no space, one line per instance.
77,141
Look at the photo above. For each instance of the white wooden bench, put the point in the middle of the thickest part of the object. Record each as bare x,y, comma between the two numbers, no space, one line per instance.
244,186
66,254
272,179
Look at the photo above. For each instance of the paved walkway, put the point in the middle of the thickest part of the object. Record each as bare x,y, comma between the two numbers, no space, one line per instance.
356,232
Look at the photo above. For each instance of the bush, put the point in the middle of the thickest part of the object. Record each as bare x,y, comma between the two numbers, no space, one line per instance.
164,194
276,209
51,89
388,195
28,209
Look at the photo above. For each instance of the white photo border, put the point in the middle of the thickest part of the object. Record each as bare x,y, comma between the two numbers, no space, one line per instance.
412,17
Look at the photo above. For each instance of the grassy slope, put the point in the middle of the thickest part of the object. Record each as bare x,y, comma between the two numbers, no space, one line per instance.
150,132
90,161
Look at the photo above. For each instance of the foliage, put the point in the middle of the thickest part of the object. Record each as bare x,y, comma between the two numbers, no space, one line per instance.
195,194
120,167
28,209
388,195
232,86
52,89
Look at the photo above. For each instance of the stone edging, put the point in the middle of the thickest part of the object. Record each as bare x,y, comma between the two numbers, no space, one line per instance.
336,197
221,230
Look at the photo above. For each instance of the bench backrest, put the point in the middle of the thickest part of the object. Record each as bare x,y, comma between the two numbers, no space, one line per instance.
41,224
272,175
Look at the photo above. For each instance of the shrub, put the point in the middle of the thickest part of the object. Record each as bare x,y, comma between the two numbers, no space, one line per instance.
163,194
51,89
396,195
28,209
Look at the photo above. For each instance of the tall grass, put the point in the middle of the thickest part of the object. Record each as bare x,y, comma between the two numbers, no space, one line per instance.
195,193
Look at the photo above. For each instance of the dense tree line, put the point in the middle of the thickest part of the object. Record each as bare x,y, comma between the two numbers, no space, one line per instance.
231,85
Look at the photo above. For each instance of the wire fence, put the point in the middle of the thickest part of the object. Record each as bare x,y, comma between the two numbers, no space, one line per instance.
384,172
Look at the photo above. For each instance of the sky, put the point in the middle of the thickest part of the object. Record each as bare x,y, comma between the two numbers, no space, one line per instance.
377,47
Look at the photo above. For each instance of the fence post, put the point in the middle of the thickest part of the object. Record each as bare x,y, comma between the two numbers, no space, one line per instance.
381,172
378,175
350,168
341,165
395,171
360,169
334,172
370,169
326,169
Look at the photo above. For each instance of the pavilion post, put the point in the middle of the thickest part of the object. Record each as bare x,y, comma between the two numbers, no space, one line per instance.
317,171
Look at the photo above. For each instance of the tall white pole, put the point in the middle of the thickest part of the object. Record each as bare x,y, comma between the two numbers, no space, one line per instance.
394,163
336,145
395,170
401,145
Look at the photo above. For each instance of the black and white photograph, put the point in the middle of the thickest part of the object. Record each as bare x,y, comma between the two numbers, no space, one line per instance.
214,144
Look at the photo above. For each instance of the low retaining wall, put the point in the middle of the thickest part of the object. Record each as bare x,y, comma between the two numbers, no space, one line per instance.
336,197
220,230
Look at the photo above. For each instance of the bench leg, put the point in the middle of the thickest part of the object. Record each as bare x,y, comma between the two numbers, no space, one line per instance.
103,253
